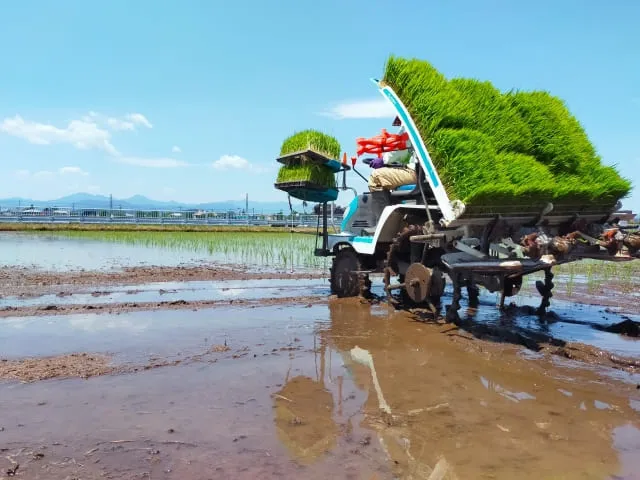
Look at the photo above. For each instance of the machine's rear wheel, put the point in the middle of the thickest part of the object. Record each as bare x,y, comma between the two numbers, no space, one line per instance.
345,280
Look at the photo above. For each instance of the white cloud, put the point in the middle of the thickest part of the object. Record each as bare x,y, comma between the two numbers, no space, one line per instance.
83,134
48,173
128,122
176,149
72,171
152,162
227,162
236,162
120,125
362,109
139,119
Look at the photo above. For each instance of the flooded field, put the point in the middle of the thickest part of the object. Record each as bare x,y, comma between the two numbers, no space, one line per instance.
96,250
149,366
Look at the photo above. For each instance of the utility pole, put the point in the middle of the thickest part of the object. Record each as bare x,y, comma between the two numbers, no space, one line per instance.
246,206
110,206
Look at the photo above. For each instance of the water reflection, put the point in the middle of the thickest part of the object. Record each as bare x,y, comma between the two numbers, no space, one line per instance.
442,411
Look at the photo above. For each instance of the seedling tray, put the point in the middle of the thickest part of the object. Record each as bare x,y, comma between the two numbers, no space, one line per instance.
308,191
312,156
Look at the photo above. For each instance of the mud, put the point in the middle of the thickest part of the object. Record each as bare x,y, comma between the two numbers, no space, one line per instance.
25,282
341,390
126,307
615,296
541,342
81,365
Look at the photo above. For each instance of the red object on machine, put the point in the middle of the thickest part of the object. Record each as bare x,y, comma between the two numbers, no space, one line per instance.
385,142
353,161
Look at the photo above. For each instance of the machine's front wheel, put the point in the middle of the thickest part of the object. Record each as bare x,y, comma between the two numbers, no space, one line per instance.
345,280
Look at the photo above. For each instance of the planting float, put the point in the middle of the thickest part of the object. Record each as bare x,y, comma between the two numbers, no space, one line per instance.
507,185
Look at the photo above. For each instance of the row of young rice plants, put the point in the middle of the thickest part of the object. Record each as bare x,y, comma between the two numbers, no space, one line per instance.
594,276
278,250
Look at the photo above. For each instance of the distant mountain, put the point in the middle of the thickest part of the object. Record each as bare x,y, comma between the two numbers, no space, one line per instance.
87,200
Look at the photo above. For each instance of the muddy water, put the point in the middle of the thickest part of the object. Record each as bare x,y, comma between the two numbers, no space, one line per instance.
482,413
175,291
337,391
570,322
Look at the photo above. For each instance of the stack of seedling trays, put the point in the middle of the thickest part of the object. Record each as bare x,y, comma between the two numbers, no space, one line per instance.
309,160
498,151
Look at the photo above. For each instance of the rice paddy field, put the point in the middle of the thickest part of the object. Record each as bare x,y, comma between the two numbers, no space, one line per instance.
106,249
221,354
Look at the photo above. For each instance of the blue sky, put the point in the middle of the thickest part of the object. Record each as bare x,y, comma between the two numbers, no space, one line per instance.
190,100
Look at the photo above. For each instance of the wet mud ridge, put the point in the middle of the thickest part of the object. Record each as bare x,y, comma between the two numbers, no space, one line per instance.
26,282
82,365
125,307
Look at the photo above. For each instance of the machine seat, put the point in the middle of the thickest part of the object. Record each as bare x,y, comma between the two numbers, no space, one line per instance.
405,191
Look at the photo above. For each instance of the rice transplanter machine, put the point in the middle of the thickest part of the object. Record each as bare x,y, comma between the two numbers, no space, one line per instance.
416,237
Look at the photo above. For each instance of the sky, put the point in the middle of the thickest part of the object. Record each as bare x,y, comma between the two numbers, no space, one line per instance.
190,100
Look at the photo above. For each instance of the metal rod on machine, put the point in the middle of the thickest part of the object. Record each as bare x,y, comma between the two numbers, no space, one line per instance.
426,238
424,199
361,176
325,232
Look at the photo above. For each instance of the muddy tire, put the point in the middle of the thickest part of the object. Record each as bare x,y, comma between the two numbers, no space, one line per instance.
344,281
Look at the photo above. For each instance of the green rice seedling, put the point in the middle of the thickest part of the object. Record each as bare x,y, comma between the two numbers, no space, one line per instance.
606,184
493,115
532,181
465,160
431,101
493,148
307,170
260,249
559,141
311,140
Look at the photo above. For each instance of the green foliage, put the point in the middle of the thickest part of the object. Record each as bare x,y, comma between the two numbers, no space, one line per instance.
309,171
468,160
493,148
312,140
559,140
492,114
